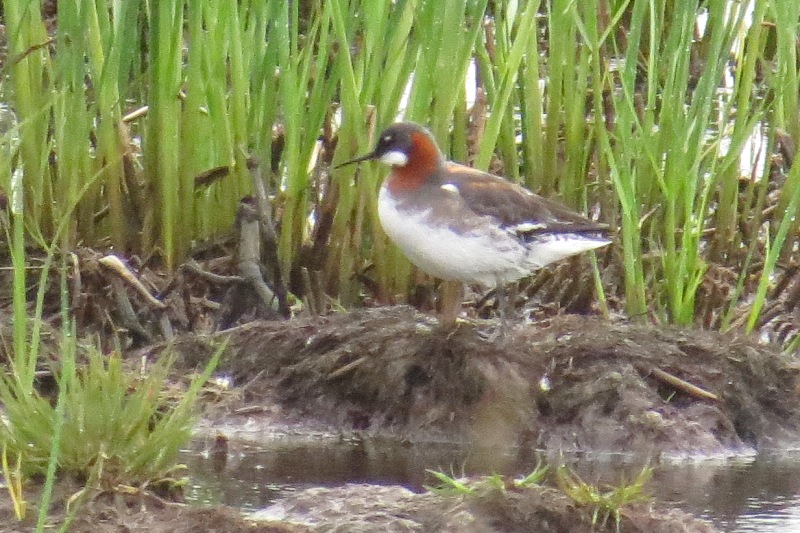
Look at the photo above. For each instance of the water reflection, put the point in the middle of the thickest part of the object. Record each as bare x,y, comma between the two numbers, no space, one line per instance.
762,495
745,495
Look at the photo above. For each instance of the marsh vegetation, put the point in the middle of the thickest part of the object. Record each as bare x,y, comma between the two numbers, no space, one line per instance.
135,129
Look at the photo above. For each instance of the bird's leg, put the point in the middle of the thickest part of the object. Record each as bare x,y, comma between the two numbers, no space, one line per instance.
500,292
450,302
506,297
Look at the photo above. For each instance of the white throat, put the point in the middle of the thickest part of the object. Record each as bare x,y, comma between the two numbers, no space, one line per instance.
394,158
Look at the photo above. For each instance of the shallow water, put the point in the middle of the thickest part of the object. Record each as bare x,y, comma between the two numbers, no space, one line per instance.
756,494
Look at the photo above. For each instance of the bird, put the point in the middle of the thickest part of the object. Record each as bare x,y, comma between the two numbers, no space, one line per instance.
464,225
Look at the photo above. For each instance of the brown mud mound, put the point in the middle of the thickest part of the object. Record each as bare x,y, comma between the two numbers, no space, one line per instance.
569,383
356,508
141,512
359,508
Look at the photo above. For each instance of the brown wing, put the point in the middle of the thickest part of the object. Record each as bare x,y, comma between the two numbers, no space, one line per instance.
516,207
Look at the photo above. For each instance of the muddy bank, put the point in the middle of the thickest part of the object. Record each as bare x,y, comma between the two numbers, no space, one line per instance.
566,383
358,508
126,511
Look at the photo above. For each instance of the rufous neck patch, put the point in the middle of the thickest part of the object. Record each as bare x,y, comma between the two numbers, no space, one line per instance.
423,161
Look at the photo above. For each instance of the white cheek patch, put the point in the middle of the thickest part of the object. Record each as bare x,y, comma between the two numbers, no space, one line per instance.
394,158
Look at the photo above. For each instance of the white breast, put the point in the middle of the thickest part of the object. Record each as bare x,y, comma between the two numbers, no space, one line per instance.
486,254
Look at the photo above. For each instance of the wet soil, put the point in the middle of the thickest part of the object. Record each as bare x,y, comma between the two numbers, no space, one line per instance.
361,508
571,383
369,508
565,383
138,512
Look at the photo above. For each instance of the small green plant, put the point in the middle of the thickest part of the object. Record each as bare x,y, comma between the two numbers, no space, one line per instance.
534,478
449,485
605,503
108,423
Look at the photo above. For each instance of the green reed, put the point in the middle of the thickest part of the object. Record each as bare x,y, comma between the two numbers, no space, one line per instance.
665,165
610,105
